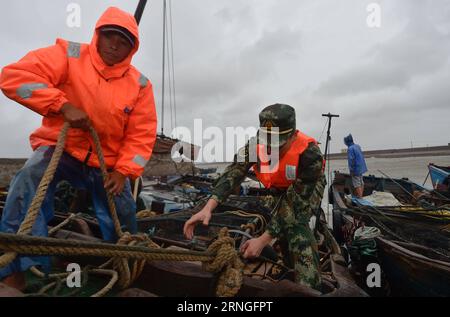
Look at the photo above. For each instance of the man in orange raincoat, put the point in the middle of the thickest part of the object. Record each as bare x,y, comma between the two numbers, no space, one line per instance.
82,84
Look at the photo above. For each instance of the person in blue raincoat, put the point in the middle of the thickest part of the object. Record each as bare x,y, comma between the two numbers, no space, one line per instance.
356,165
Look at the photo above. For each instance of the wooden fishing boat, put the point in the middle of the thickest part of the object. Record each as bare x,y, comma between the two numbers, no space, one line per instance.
173,193
413,249
438,173
265,276
440,178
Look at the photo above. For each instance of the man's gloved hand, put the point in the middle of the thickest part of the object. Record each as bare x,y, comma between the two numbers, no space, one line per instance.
115,183
77,118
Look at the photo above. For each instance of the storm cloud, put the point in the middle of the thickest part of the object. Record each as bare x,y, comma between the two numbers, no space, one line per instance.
233,57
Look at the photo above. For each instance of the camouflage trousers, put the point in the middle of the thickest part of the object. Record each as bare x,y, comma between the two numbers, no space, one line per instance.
298,244
300,253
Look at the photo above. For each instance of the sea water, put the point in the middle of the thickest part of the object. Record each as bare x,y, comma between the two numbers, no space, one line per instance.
413,168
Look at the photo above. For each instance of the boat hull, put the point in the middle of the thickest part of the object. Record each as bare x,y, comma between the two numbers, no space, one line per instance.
410,269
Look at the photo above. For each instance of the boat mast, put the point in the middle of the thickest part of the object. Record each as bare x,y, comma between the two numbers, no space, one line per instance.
327,155
329,116
172,71
163,66
167,53
140,10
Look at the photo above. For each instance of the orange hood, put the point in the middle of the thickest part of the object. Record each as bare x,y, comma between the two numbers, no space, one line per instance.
121,18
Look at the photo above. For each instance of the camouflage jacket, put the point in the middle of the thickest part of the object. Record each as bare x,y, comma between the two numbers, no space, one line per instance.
298,195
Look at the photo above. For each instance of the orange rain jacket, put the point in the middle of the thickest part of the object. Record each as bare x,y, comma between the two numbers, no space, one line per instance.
118,99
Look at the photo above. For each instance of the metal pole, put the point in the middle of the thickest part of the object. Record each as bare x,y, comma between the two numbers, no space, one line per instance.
329,116
139,10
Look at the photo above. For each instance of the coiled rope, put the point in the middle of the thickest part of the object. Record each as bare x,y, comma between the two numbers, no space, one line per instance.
221,257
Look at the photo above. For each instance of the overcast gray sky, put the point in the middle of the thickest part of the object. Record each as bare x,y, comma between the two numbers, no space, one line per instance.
390,85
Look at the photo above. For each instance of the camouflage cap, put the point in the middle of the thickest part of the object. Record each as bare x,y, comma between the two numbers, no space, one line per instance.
277,124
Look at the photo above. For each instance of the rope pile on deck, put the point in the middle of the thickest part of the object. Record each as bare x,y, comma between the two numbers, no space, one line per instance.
221,257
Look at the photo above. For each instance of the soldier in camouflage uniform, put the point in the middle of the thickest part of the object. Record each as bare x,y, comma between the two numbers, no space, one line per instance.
293,204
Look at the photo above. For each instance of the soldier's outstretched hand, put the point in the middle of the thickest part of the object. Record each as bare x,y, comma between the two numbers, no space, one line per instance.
202,216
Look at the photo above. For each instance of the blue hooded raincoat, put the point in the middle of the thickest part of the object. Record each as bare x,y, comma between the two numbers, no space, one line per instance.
356,163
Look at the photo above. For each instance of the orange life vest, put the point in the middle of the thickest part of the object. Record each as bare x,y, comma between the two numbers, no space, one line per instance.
283,174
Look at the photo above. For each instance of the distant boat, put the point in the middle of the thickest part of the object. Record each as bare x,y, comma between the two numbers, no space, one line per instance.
412,247
440,176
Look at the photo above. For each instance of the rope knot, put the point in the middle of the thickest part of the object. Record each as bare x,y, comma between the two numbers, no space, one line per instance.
250,226
122,265
146,214
226,262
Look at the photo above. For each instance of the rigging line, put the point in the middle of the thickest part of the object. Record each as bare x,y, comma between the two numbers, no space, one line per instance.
323,130
396,183
163,67
169,74
173,64
426,178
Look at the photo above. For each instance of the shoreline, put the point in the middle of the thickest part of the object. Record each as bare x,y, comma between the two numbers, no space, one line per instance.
435,151
398,153
10,166
443,150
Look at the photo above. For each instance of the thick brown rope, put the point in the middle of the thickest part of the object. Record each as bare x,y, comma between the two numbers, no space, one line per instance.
126,275
33,211
222,257
146,214
33,245
111,204
226,262
62,224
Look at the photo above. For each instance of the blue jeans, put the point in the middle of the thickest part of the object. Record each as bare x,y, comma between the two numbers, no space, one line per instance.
23,188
